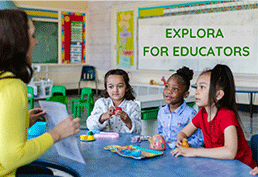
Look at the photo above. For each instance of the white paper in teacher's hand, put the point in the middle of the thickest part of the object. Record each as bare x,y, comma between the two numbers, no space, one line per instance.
56,113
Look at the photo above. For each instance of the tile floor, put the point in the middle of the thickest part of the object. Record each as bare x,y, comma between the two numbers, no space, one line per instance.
149,126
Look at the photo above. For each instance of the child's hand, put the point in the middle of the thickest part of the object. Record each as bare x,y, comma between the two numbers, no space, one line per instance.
107,115
180,141
184,151
123,115
254,171
125,118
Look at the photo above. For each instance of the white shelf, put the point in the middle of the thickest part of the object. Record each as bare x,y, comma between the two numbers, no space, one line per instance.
42,88
146,89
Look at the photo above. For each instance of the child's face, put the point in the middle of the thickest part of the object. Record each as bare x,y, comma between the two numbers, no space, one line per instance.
174,91
116,87
202,90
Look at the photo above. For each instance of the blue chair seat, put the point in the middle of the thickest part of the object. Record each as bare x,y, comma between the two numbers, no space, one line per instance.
87,74
254,147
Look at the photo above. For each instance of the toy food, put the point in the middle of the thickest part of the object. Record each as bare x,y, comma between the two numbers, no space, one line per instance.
185,143
153,83
84,137
106,135
36,130
117,109
157,142
90,136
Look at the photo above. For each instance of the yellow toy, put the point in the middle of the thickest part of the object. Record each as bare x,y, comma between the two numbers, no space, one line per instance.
88,137
185,143
153,83
84,137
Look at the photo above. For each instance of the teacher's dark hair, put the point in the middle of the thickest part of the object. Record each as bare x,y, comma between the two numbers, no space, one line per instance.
14,44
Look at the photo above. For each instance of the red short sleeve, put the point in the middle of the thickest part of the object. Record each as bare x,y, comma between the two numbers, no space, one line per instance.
229,118
198,119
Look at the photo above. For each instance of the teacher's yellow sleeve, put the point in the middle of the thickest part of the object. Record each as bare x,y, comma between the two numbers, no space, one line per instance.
15,149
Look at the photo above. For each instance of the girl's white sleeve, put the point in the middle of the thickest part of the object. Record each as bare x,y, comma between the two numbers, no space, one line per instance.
100,108
134,113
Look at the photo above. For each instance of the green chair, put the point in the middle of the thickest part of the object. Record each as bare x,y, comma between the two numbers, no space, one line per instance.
88,74
59,98
57,89
77,105
30,90
78,109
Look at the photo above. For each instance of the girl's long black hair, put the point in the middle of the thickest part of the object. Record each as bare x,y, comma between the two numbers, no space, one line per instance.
222,79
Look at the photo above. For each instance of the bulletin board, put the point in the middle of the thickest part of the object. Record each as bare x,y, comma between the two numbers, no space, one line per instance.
235,27
73,37
125,40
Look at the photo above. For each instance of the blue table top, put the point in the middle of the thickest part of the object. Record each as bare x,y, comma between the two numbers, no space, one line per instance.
100,162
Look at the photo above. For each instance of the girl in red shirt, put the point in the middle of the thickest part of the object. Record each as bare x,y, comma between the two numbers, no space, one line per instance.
218,119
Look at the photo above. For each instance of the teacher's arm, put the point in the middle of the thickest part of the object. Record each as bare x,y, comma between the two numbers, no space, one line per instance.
15,149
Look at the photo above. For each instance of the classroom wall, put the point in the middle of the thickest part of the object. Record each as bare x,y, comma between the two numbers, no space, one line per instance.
99,32
99,47
74,5
144,76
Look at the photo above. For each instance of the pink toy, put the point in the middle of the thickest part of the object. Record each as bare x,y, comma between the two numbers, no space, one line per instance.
157,142
164,80
106,135
117,109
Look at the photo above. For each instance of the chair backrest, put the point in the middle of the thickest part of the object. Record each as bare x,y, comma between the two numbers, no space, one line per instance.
89,92
88,73
58,89
59,98
254,147
30,91
86,91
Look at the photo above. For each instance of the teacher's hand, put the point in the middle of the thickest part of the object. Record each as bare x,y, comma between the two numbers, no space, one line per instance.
35,115
66,128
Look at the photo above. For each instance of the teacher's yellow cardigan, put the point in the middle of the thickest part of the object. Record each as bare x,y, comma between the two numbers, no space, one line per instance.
15,150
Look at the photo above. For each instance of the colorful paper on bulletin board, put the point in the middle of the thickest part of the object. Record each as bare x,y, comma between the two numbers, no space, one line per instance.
124,61
73,37
125,39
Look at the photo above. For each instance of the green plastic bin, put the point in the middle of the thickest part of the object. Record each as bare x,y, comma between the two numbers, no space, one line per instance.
149,113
